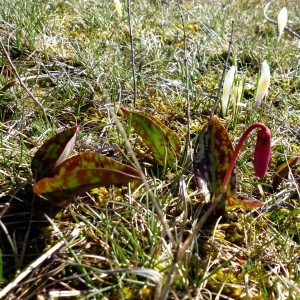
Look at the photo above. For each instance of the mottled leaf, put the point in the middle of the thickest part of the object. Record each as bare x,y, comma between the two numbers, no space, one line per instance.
232,201
91,160
161,140
282,171
213,152
60,188
53,152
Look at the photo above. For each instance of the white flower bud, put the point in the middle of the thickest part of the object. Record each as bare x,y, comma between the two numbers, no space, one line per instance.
263,84
282,21
228,81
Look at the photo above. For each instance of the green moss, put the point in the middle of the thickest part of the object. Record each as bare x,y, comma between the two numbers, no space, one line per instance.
234,232
223,280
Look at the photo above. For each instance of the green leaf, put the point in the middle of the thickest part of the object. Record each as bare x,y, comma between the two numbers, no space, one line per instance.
61,189
92,160
161,140
283,170
53,152
213,152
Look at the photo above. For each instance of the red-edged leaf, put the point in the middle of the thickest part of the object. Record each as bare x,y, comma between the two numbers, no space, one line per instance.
161,140
246,203
283,170
92,160
213,152
60,188
53,152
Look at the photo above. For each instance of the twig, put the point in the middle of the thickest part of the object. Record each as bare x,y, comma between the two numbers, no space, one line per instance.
131,52
223,73
14,70
186,66
290,31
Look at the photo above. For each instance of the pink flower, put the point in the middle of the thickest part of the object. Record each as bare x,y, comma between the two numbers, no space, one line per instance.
262,152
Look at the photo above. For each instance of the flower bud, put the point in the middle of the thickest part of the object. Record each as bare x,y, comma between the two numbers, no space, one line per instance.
118,7
282,21
263,84
228,81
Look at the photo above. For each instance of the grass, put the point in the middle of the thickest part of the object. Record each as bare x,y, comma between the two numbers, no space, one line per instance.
75,58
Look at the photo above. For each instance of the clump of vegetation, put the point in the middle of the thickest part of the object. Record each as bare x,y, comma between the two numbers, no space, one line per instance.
59,179
143,92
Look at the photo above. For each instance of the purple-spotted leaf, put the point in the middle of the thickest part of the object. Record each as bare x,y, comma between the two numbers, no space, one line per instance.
161,140
91,160
53,152
283,170
61,189
232,201
213,152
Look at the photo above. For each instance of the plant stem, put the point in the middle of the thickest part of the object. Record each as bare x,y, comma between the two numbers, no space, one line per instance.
217,98
132,58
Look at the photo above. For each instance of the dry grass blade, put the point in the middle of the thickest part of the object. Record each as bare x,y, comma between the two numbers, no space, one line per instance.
290,31
158,239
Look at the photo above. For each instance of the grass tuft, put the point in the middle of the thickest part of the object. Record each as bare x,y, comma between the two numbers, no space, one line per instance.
74,57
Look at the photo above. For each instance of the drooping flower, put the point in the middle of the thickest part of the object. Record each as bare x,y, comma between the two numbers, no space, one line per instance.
262,152
228,82
282,21
263,84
